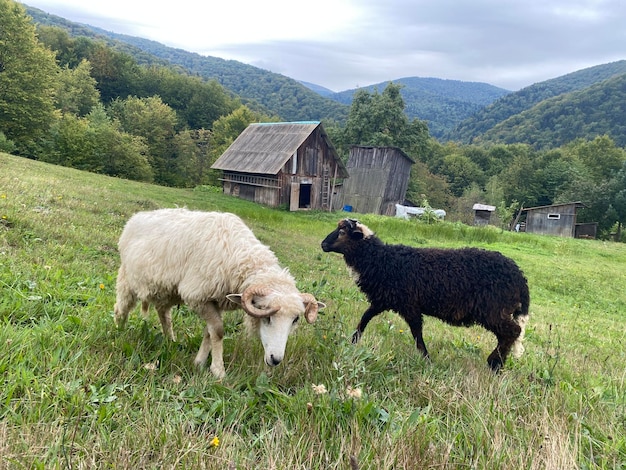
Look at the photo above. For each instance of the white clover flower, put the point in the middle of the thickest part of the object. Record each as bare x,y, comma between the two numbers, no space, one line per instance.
319,389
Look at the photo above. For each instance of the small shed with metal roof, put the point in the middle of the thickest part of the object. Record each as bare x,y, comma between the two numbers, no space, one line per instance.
482,213
283,163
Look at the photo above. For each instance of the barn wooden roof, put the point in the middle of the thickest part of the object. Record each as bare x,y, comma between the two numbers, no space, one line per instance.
265,147
578,204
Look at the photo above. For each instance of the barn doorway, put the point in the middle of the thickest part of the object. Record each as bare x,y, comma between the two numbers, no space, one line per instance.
300,196
304,199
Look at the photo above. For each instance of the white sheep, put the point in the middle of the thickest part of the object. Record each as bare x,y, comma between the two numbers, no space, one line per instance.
210,261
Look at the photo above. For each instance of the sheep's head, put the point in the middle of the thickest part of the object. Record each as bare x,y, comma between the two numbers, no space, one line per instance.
274,314
347,232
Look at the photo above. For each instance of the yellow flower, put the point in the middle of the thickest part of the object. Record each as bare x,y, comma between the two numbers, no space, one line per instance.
4,217
3,196
214,442
101,286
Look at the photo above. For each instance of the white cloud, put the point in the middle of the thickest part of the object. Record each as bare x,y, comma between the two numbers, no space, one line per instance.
342,44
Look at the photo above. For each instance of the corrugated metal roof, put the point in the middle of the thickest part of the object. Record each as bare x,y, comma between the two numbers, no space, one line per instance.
265,147
483,207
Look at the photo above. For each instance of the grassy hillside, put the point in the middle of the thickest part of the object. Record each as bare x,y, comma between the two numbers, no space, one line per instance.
77,393
524,99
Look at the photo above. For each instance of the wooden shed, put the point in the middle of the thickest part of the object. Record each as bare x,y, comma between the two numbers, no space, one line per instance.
283,163
379,177
556,219
482,213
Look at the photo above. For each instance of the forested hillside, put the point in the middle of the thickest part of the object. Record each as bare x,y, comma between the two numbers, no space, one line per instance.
282,96
443,104
524,99
597,110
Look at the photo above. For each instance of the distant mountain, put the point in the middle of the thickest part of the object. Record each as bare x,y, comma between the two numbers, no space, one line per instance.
320,90
593,111
583,104
524,99
443,104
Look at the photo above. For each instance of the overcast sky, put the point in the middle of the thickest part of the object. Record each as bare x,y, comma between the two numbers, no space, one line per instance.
344,44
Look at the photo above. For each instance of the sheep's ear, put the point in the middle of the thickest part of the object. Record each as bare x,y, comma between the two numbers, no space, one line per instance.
234,298
357,234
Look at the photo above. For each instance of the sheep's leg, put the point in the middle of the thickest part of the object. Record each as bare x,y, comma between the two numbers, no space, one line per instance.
125,300
212,341
507,332
416,330
370,313
165,316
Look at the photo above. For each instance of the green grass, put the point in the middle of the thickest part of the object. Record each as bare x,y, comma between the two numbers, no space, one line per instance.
77,393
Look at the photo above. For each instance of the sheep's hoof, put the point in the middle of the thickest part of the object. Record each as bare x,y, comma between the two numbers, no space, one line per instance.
495,365
218,372
356,336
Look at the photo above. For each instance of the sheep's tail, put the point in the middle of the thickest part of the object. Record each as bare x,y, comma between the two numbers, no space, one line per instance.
520,316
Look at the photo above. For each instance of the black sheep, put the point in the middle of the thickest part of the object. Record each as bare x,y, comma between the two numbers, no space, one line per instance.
462,287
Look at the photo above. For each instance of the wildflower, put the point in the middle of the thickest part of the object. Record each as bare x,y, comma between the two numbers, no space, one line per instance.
354,392
309,407
151,365
4,217
214,442
319,389
401,331
101,286
177,379
3,196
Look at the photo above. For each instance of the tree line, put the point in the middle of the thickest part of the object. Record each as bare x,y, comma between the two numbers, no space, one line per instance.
77,102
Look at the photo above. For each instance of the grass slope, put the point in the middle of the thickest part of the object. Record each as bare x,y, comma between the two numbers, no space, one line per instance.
77,393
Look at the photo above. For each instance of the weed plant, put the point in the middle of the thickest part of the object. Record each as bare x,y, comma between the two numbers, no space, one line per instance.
77,393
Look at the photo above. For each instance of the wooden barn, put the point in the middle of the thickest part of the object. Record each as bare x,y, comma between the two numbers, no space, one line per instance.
557,219
379,177
283,163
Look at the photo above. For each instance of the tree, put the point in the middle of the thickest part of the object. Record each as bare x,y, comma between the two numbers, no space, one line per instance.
379,119
156,122
77,92
601,156
461,173
28,75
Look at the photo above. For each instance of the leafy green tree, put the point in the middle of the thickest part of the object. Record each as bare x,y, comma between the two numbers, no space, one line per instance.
72,144
119,153
379,119
156,122
59,41
461,173
600,155
77,92
28,74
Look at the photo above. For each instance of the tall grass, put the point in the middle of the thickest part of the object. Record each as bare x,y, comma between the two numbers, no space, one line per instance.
77,393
